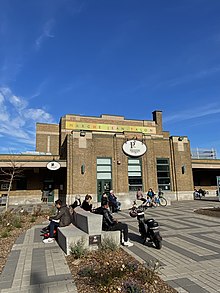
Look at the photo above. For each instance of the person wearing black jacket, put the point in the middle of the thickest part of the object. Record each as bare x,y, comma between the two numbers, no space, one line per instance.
110,224
87,203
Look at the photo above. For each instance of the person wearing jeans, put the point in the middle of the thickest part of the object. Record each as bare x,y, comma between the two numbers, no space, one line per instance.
61,219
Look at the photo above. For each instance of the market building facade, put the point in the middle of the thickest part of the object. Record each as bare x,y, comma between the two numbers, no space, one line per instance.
92,155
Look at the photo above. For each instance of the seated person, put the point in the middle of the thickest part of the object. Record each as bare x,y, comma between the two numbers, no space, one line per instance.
61,219
140,195
110,224
87,203
76,203
114,205
148,201
196,193
150,193
151,196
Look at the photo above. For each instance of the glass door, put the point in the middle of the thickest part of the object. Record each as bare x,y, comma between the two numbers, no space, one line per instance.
104,176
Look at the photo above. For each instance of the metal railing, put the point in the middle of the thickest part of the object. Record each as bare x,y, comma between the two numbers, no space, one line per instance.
199,153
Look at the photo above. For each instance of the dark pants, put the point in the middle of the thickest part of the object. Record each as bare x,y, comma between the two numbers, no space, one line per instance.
113,207
53,226
121,227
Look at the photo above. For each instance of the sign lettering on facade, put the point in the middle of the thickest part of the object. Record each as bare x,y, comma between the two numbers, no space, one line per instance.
109,127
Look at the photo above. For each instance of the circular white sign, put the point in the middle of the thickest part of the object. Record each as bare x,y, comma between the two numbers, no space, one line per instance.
53,165
134,148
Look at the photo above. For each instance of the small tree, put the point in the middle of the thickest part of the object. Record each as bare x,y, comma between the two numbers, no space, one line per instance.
11,173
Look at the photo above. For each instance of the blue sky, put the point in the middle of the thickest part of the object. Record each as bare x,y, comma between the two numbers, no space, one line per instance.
121,57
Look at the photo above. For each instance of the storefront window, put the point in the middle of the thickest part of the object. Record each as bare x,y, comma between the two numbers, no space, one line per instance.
134,174
163,174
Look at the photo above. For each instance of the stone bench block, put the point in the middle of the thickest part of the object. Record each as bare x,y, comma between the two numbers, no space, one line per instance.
70,235
114,235
88,222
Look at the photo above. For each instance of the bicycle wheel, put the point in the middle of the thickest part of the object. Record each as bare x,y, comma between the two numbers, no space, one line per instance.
163,201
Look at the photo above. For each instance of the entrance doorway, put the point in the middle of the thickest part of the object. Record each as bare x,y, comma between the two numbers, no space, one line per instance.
103,185
48,186
104,176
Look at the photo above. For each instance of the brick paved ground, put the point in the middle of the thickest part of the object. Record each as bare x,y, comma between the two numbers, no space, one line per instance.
190,255
35,267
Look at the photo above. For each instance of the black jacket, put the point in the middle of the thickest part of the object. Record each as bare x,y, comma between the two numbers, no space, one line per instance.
63,215
86,206
107,220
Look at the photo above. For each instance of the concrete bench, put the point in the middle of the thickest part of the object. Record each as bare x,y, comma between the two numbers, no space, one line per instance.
88,222
87,227
70,235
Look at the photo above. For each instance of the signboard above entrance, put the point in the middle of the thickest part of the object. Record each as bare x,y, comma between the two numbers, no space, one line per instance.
134,148
109,127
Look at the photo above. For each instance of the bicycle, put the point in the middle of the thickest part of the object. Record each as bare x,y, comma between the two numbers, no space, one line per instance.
160,199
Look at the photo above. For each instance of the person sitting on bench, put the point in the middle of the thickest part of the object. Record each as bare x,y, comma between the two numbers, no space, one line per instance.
110,224
61,219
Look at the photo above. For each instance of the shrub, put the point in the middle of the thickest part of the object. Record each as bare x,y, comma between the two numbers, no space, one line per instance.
108,244
17,222
37,211
153,267
87,272
5,233
132,287
78,249
33,219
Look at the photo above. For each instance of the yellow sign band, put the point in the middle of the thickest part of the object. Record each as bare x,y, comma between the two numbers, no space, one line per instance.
109,127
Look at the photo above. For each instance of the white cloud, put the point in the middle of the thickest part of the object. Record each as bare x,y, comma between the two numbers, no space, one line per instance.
45,34
38,115
18,120
194,76
192,114
17,102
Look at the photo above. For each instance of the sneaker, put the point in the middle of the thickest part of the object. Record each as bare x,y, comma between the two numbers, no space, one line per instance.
128,243
48,240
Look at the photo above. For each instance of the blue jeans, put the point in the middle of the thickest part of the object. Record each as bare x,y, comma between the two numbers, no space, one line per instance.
53,225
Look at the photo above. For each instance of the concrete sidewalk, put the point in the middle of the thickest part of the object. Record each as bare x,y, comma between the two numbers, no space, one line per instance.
35,267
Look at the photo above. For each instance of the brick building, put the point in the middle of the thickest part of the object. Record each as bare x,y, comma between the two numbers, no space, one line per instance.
96,154
83,155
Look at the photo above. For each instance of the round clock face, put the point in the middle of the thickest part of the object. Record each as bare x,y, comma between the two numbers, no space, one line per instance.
134,148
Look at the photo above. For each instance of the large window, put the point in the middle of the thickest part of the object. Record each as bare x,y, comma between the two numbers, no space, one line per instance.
163,174
134,174
104,168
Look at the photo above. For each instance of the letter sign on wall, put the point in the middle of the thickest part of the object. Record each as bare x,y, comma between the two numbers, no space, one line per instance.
134,148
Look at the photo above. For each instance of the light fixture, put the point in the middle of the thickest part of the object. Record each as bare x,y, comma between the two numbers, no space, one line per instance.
82,133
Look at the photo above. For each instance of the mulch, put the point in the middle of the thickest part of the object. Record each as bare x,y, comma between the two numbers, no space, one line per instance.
211,212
